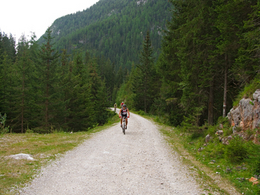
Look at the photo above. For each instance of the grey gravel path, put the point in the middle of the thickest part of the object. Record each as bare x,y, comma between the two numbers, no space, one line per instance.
139,162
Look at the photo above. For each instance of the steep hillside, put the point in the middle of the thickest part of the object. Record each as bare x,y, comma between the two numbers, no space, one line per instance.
113,28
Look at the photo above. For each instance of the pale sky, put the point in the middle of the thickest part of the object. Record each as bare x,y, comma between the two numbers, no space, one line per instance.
25,16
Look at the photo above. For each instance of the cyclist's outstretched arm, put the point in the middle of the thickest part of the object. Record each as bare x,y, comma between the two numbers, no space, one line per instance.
119,113
128,113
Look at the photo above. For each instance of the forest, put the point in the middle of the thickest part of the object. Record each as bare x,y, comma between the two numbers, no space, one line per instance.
209,53
43,90
114,29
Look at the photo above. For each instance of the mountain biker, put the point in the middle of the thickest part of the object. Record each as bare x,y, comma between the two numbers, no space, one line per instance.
123,113
115,105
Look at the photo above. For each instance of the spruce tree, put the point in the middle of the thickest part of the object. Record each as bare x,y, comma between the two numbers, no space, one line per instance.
48,81
144,87
22,91
80,107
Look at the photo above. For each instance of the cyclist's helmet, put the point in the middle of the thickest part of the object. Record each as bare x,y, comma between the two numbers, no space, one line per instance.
124,105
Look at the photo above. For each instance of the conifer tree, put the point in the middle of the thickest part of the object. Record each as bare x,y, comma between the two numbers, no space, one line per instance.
144,87
98,96
80,107
22,91
48,78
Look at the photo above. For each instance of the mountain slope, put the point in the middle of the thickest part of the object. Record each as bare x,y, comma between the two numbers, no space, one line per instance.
113,28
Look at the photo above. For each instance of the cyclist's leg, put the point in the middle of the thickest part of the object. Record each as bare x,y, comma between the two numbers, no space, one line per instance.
126,121
121,121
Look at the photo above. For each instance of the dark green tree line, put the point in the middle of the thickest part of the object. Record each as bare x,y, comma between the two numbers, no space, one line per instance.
44,90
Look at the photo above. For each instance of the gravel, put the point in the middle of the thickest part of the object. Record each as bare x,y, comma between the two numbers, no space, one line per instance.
139,162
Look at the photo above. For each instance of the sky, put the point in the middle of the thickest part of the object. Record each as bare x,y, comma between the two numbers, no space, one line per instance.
20,17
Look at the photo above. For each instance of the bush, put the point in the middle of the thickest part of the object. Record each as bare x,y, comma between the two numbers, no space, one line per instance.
236,151
140,112
3,129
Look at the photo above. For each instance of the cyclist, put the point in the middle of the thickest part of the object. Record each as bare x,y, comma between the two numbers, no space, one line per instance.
122,105
115,105
123,113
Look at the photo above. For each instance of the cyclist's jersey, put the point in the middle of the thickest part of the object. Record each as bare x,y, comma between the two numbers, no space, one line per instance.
124,112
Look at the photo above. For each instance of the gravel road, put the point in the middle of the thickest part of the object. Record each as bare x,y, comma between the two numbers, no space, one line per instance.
139,162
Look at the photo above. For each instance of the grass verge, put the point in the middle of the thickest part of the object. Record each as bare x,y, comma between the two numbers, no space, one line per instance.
42,147
218,167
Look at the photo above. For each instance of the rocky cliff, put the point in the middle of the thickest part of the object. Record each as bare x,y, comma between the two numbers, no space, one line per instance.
247,114
246,117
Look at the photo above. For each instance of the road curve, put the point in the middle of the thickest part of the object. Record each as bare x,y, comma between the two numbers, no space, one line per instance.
139,162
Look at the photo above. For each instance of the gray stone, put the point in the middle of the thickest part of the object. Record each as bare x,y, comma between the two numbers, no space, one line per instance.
219,132
235,115
225,141
256,95
22,156
256,115
229,137
246,111
207,138
234,129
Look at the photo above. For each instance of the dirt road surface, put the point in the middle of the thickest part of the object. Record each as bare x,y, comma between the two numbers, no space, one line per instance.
139,162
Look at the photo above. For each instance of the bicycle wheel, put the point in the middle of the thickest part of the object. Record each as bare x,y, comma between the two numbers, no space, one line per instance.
123,128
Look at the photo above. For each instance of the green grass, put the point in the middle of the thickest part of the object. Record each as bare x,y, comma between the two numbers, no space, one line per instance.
42,147
248,91
235,156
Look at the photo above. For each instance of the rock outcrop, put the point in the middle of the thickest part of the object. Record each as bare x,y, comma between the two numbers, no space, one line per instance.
247,114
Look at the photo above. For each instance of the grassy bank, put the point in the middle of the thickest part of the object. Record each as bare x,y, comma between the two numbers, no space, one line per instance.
223,166
42,147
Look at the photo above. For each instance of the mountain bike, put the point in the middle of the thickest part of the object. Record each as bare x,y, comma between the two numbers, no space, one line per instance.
123,124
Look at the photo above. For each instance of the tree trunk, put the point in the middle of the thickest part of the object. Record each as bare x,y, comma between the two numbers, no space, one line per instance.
211,103
225,87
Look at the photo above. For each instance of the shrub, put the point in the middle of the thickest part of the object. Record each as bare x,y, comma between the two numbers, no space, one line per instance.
236,151
3,129
140,112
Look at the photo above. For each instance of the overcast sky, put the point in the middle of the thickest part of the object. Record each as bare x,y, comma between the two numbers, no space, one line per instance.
25,16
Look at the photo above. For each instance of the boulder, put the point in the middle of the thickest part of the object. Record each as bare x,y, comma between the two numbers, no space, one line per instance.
235,115
225,141
219,132
22,156
207,138
247,114
256,95
246,111
256,115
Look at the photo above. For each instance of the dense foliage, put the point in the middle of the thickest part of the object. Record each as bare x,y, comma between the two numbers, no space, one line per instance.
210,51
114,29
44,90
